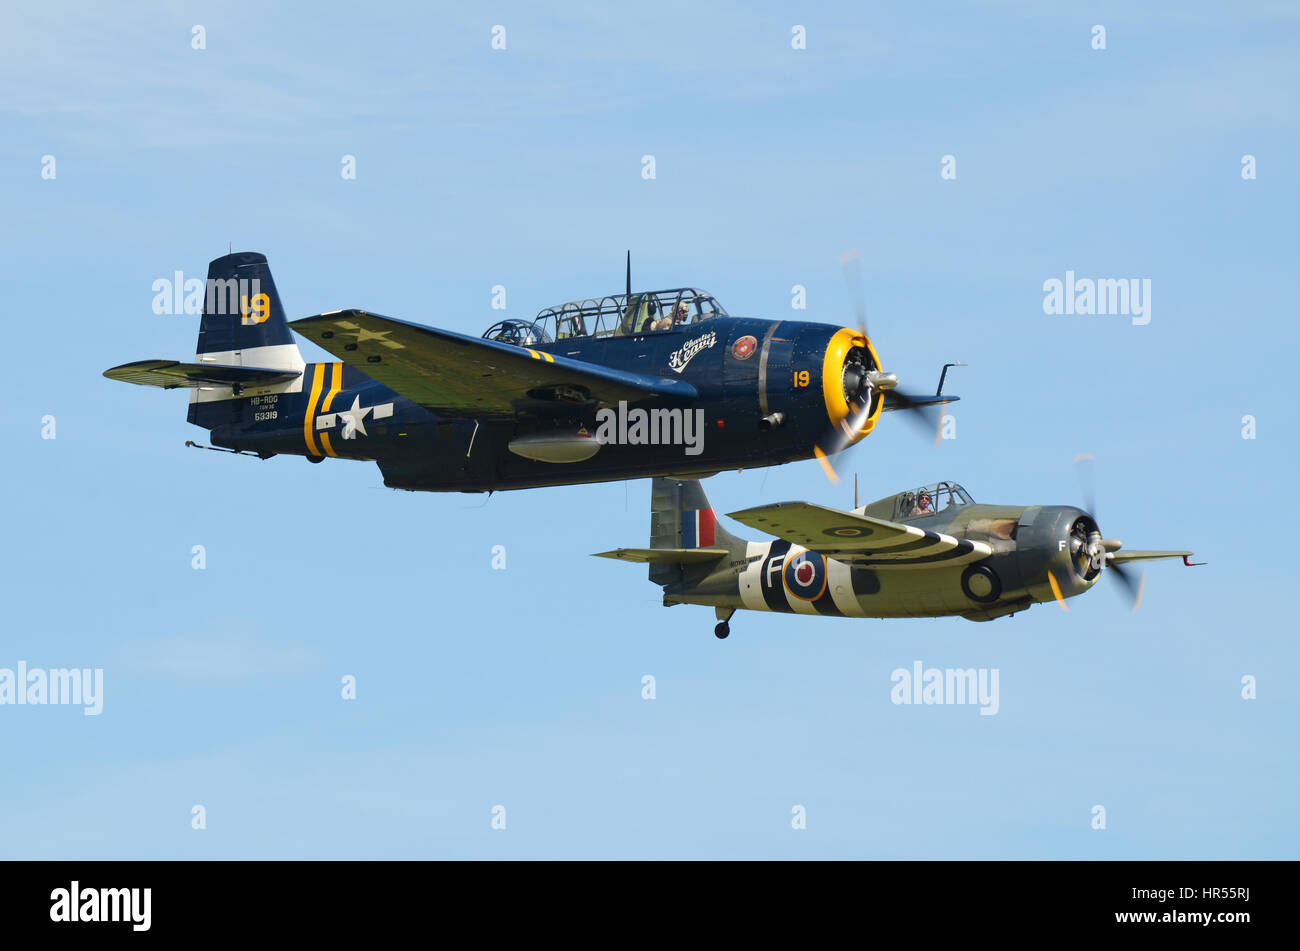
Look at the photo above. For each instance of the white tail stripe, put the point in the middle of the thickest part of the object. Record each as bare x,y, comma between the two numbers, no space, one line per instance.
282,356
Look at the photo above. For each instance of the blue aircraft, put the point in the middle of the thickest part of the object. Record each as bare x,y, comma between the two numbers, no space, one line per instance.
657,383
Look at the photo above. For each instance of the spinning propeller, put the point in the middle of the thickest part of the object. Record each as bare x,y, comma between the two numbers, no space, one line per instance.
1091,554
863,380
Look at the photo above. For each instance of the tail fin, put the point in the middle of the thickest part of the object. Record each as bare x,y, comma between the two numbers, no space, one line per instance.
245,351
683,531
245,345
243,320
682,517
243,325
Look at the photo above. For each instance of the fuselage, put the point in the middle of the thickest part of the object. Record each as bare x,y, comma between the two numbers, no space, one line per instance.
745,370
783,577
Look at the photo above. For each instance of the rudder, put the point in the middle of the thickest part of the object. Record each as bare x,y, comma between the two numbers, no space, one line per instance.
681,516
243,320
243,325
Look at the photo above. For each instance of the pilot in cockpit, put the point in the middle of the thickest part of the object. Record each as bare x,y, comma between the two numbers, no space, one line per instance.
679,317
663,323
922,506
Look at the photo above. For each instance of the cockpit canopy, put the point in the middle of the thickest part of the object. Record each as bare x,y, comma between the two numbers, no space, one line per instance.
521,333
930,500
920,502
612,316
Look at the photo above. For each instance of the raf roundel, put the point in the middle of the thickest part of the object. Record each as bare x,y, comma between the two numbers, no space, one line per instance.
805,576
744,348
847,531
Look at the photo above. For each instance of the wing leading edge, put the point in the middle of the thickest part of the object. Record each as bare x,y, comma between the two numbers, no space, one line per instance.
1122,556
860,539
671,556
458,375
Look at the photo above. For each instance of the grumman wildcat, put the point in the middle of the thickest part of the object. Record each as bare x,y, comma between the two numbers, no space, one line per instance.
925,552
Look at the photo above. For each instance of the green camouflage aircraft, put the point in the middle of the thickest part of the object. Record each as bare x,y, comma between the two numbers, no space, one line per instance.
925,552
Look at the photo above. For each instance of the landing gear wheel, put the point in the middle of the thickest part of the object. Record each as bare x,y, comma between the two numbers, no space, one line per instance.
721,630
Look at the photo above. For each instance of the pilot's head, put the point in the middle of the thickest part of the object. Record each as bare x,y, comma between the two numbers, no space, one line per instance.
680,314
924,501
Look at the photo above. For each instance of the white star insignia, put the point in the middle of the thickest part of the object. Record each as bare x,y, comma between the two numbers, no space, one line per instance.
354,419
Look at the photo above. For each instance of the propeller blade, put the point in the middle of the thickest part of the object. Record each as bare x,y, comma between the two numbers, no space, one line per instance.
840,437
1056,592
1131,587
1084,466
826,465
926,417
851,265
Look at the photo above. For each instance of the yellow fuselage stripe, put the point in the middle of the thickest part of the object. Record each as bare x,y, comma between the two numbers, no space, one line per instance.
309,420
336,384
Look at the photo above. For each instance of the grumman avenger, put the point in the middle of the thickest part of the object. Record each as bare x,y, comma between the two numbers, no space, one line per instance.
623,386
926,552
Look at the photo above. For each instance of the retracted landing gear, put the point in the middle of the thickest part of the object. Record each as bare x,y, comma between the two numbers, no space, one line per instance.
722,628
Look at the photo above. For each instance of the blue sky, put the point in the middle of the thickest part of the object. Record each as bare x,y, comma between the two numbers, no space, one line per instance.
522,687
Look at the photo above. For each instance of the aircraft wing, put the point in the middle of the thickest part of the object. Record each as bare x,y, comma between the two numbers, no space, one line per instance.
896,400
672,556
1122,556
860,539
458,375
170,374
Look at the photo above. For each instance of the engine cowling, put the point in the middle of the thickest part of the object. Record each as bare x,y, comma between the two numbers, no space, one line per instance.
851,379
1061,540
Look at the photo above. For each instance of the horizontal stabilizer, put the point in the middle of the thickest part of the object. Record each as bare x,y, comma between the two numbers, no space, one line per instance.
170,374
895,400
1123,556
672,556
